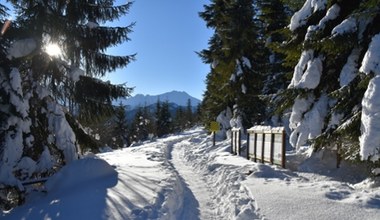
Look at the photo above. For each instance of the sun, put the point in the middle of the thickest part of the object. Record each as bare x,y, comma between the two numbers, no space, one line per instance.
53,50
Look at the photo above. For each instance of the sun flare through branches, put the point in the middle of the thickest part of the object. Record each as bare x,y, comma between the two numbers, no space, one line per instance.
53,50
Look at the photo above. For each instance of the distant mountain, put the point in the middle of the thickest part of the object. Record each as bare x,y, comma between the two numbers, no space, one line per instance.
130,113
174,97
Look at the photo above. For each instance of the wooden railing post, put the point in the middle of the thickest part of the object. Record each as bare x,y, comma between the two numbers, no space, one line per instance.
239,142
271,147
283,156
248,136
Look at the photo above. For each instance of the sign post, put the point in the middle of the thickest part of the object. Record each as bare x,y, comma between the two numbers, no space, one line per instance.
214,127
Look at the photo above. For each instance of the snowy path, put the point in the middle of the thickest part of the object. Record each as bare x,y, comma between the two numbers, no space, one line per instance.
186,177
198,196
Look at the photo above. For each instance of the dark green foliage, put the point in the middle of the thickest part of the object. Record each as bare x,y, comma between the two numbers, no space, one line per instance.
342,123
87,143
235,53
179,121
184,118
120,130
94,98
45,95
164,119
293,5
268,92
274,18
142,126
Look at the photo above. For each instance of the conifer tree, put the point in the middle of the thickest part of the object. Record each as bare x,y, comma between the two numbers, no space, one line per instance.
42,92
235,57
164,119
179,122
189,118
273,17
121,127
330,78
138,128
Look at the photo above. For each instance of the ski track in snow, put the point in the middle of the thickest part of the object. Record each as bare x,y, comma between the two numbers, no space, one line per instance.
198,196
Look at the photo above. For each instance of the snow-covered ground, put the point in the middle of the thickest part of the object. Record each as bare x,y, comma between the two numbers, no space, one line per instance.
184,177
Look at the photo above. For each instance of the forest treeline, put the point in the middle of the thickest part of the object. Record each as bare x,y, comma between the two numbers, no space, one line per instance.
127,127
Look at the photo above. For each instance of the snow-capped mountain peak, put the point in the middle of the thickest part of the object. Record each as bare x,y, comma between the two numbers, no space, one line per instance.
176,97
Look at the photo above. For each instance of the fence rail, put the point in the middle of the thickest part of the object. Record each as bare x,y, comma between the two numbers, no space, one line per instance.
235,141
264,144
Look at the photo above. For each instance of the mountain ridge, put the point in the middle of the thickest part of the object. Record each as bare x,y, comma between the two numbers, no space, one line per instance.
179,98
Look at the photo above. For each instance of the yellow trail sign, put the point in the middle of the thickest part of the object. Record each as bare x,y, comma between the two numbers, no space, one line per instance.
214,126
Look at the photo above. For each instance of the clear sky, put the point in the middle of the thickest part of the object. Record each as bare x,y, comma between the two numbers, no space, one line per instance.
166,36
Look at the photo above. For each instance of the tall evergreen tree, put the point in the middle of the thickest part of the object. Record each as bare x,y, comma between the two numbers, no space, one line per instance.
138,128
164,119
331,76
121,127
273,17
179,122
189,116
235,57
36,127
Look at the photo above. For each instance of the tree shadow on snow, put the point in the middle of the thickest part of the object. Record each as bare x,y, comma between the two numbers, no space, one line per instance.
72,196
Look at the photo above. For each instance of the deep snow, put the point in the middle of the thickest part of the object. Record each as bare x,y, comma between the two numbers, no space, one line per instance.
185,177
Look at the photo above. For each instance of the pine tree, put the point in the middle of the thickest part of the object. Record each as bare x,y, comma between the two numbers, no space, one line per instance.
157,116
273,17
164,119
42,92
142,126
121,127
328,84
179,122
138,131
235,57
189,119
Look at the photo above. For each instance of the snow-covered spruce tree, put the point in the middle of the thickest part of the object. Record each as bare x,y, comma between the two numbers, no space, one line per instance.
234,54
273,16
42,92
336,76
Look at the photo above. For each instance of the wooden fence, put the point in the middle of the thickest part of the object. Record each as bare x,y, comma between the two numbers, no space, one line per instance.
235,141
264,144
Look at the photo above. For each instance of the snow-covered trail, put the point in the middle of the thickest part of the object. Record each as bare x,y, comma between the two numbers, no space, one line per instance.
185,176
211,187
198,196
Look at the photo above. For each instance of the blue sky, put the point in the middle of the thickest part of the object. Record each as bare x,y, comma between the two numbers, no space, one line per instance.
166,36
